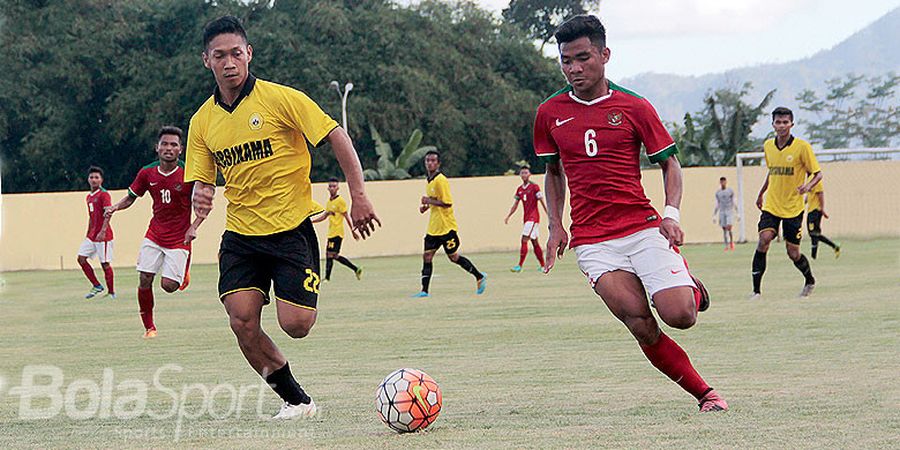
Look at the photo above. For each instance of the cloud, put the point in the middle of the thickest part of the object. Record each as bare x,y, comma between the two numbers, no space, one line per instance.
658,18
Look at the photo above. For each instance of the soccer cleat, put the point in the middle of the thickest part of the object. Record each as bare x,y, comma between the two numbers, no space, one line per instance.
421,294
807,289
94,291
704,294
290,412
150,334
754,296
731,246
540,269
481,284
111,295
837,250
712,402
359,273
516,269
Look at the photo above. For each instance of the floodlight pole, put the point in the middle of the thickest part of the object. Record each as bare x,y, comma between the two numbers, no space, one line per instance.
347,88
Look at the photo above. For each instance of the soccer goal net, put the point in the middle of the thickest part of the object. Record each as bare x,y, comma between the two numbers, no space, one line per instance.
861,191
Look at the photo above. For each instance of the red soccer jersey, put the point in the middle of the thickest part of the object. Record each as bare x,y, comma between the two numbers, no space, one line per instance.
171,204
96,201
529,195
599,145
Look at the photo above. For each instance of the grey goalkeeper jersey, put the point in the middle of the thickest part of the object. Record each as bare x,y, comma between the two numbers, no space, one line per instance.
725,200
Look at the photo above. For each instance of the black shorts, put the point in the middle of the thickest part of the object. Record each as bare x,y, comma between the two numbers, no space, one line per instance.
449,241
289,260
814,222
334,244
791,226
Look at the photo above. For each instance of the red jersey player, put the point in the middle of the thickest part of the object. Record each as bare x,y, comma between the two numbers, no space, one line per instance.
594,130
166,247
530,195
99,239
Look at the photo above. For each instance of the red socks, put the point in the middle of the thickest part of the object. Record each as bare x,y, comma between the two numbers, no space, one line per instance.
89,273
671,360
523,252
108,273
539,253
145,302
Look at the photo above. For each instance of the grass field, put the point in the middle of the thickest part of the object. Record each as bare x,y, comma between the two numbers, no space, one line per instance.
536,362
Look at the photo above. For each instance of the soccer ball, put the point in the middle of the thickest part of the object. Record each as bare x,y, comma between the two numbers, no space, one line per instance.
408,400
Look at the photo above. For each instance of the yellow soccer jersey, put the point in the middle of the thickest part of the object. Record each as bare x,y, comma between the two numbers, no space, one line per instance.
788,170
442,220
259,146
337,207
812,198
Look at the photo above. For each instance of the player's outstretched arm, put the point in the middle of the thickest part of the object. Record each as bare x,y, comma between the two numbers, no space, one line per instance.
361,211
672,180
555,191
512,210
324,215
762,191
125,203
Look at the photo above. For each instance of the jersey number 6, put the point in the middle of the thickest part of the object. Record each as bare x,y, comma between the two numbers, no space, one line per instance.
590,145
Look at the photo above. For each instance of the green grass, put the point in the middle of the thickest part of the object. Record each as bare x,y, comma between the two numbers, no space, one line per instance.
537,362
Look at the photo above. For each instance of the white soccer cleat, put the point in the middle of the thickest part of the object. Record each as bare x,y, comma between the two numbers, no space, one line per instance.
754,296
807,289
291,412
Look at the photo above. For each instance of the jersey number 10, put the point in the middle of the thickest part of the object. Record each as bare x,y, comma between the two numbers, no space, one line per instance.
165,195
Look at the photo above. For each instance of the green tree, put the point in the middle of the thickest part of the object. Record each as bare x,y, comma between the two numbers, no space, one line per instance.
539,19
390,168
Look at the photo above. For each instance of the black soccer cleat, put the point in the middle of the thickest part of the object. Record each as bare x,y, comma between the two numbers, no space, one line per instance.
704,294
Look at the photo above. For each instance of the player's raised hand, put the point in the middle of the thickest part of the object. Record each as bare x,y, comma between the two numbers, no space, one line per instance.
363,214
670,229
202,198
556,246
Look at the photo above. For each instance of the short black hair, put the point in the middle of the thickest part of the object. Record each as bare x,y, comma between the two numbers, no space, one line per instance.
782,111
722,179
95,169
222,25
582,26
521,168
433,152
334,180
174,131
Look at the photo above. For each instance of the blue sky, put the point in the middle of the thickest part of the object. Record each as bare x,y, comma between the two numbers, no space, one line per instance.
695,37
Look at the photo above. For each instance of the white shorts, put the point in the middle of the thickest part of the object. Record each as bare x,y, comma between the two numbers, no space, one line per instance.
103,251
726,218
646,254
531,229
172,263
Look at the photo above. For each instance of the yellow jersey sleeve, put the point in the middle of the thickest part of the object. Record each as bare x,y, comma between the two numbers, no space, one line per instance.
809,160
199,162
303,114
442,189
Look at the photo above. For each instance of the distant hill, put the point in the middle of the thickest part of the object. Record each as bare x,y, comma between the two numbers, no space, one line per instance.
870,51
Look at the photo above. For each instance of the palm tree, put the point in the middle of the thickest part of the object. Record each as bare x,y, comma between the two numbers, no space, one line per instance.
396,169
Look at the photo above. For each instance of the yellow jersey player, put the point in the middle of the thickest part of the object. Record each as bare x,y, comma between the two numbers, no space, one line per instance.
815,211
442,226
336,213
254,133
791,161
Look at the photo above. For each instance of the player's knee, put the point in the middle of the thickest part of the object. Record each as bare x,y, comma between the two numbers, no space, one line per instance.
681,320
297,329
427,257
169,286
245,329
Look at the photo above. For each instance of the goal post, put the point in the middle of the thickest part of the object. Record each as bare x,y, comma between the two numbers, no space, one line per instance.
823,156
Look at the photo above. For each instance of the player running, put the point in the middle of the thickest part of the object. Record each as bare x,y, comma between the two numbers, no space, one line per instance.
530,195
725,208
442,227
336,213
590,134
99,239
254,132
815,211
790,162
166,249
